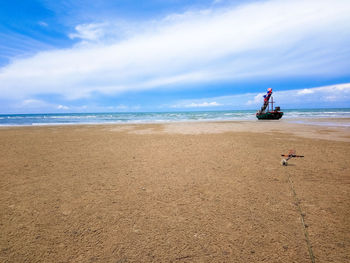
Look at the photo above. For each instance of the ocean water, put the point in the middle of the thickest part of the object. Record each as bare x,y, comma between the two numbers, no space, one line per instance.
298,115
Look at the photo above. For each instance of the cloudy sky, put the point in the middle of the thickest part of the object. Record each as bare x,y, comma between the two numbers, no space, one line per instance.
170,55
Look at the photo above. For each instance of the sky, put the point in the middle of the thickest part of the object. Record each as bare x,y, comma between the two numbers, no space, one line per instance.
172,55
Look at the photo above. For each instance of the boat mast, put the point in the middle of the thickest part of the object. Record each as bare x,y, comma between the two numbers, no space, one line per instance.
271,103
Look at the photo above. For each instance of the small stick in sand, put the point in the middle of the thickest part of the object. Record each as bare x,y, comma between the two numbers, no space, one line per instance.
291,154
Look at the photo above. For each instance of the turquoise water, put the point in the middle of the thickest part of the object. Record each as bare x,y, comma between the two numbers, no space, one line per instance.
159,117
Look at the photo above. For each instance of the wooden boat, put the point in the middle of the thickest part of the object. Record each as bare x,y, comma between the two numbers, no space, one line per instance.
270,113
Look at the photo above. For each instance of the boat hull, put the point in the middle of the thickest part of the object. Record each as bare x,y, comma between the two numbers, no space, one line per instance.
271,115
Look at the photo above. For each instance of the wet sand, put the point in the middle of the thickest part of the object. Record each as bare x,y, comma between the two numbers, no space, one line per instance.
180,192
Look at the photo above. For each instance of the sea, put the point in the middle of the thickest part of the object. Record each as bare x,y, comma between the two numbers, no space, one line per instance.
292,115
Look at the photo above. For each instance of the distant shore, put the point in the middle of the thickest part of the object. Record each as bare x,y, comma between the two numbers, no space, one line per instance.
184,191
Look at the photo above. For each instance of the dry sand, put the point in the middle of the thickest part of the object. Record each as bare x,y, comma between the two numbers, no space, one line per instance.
184,192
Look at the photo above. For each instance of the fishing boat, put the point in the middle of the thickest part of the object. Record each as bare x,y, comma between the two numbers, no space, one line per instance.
266,112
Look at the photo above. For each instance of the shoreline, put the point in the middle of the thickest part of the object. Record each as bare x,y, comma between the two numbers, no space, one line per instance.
308,121
333,129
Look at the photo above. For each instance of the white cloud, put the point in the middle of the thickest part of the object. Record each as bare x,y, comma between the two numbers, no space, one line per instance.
339,93
255,100
29,105
321,97
32,103
305,91
326,96
43,24
197,105
62,107
88,32
255,40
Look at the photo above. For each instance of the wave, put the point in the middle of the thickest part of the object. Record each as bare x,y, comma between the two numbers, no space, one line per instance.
162,117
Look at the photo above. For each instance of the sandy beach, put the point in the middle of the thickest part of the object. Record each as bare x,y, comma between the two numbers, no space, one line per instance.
177,192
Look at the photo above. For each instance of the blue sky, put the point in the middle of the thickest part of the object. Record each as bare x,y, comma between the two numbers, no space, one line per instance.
170,55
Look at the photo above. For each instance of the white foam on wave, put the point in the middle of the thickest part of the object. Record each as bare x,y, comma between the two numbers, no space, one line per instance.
166,117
